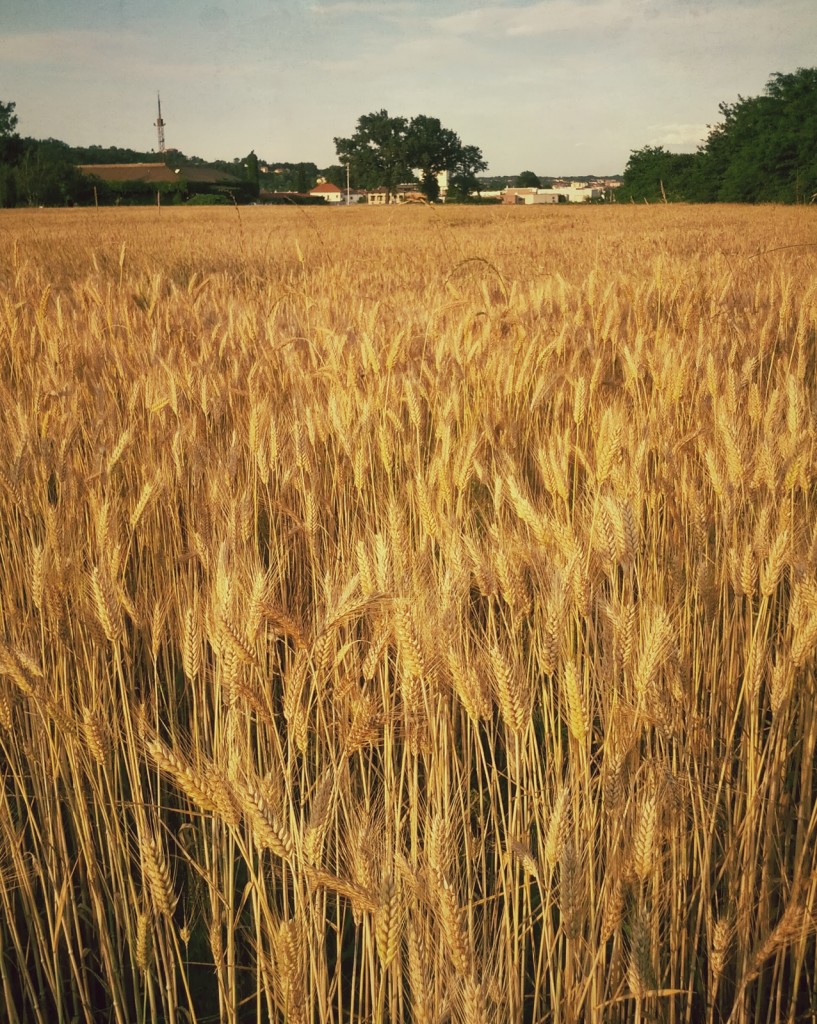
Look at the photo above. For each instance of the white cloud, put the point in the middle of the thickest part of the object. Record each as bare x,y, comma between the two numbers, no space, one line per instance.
126,56
537,19
422,54
73,46
377,7
530,81
678,134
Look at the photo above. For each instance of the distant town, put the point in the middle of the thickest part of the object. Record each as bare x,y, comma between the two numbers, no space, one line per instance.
763,151
505,190
388,159
130,181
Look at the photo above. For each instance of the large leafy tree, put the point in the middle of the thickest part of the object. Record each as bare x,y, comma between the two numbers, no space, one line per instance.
386,151
377,152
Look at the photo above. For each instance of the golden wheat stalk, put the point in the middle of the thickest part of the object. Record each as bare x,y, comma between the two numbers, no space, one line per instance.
157,873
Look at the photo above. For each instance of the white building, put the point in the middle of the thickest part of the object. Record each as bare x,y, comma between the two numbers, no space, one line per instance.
578,192
575,193
530,196
328,192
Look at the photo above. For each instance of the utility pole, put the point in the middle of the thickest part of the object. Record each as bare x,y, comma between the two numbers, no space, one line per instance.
348,196
160,125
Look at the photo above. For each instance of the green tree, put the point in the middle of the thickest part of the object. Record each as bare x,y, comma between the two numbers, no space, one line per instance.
251,169
10,151
39,172
118,155
8,120
377,152
527,179
288,177
305,177
655,175
765,147
386,151
47,176
763,150
8,186
794,140
431,149
463,181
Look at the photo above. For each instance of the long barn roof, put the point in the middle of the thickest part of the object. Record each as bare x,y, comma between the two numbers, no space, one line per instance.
158,172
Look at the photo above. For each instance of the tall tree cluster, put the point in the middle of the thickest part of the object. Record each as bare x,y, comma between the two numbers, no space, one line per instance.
36,172
386,151
764,150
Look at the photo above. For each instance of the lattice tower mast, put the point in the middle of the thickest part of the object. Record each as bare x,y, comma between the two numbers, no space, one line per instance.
160,125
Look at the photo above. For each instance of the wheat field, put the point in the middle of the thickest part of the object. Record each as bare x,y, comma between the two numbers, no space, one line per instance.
408,615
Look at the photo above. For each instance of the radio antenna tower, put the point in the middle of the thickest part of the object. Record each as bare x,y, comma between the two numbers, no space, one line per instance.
160,125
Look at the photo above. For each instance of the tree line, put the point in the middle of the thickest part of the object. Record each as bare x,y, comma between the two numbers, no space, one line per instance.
764,150
44,172
36,172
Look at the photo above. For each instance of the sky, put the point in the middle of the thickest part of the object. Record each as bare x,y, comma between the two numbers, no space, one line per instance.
558,87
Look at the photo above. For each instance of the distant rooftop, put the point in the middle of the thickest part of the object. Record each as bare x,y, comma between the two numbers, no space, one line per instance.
157,173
